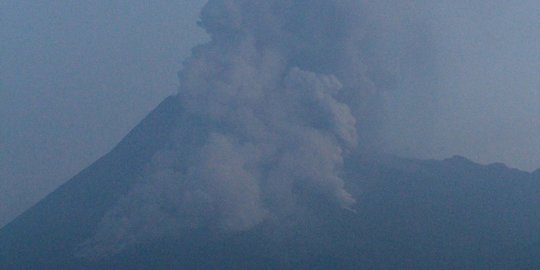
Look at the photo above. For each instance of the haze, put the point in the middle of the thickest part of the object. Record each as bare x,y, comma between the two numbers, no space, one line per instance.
76,77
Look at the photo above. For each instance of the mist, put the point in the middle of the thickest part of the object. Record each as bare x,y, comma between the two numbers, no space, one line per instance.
451,77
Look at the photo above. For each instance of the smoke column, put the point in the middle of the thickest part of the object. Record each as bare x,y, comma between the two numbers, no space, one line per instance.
272,105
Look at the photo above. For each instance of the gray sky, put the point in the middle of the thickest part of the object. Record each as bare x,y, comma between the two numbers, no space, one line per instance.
483,76
490,81
75,77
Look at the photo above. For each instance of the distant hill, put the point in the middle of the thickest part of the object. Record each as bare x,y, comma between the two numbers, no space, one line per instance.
410,214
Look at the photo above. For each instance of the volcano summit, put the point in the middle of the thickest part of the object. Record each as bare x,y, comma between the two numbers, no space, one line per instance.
268,157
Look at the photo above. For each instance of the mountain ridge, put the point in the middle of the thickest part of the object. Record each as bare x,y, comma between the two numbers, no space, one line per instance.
410,214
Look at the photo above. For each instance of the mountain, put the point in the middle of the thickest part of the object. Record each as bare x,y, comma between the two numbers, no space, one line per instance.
58,223
409,214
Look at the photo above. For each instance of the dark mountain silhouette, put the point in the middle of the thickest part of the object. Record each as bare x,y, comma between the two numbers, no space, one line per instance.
410,214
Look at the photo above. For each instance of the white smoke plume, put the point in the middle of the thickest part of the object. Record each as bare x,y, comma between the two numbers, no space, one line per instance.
272,105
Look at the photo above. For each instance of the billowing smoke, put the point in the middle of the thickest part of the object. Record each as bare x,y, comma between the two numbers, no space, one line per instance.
272,105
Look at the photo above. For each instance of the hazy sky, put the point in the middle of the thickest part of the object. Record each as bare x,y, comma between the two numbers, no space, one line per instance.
482,80
490,80
75,77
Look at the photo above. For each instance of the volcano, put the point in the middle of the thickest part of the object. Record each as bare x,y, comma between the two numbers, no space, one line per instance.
410,214
269,157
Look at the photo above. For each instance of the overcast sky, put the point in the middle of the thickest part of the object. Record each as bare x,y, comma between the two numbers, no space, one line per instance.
484,90
76,76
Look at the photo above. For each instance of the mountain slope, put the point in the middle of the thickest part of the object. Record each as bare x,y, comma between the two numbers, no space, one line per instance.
58,223
410,214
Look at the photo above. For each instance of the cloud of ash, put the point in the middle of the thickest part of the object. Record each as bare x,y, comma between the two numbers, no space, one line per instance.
272,105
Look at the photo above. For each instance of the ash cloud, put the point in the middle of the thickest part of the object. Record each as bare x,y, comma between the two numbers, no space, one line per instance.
273,103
